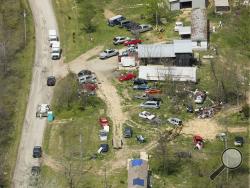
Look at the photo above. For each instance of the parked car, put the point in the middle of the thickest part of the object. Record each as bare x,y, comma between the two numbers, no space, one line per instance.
141,87
124,23
51,81
103,121
148,97
238,141
128,132
132,48
132,42
153,91
103,135
105,148
199,96
84,73
131,26
150,104
37,152
140,81
128,76
175,121
108,53
146,115
142,28
140,138
35,170
115,20
87,79
190,108
177,26
120,40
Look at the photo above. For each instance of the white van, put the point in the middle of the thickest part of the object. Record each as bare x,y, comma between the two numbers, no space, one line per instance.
115,20
52,36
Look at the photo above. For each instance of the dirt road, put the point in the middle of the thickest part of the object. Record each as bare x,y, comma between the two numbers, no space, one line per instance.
33,128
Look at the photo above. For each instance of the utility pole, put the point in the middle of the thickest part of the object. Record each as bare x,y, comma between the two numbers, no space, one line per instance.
25,27
76,14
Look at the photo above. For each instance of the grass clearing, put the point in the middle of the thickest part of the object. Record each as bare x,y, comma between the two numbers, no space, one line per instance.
24,66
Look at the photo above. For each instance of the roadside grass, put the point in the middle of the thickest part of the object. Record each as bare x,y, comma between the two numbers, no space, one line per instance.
25,60
54,179
234,120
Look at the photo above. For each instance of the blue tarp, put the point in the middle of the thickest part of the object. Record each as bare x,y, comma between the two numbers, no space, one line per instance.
138,181
137,162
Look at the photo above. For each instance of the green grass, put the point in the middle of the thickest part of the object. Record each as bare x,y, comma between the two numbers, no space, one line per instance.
25,63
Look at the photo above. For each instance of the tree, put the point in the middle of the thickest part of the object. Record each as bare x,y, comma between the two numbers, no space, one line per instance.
87,15
157,9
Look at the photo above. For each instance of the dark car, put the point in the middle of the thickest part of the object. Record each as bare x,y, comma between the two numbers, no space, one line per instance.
105,148
83,73
139,81
190,108
35,170
141,87
124,23
51,81
37,152
132,26
128,132
238,141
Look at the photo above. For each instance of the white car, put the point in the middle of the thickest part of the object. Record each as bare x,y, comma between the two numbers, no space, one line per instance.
177,26
108,53
103,135
120,40
175,121
146,115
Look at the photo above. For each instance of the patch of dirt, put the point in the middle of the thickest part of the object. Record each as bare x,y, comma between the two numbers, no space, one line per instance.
50,162
108,13
237,129
207,128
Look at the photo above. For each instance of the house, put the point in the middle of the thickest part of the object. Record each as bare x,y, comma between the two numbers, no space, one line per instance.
167,54
161,73
199,29
181,4
138,173
185,32
221,6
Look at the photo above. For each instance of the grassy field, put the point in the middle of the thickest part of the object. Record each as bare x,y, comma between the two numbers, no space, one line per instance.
19,71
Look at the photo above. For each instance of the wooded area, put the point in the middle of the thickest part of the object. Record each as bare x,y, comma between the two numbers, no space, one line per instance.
15,69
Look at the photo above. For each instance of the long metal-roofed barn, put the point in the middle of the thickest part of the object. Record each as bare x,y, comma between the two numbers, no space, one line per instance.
199,29
178,53
138,173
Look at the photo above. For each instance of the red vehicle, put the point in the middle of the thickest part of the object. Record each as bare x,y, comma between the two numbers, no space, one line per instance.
132,41
128,76
89,86
198,142
152,91
103,121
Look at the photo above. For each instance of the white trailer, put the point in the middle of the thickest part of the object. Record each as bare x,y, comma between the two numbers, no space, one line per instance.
55,50
128,62
52,36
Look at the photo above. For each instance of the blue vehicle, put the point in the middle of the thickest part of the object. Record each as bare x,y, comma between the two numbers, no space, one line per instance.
141,87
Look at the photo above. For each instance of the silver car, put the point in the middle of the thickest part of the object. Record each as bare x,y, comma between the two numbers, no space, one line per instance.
175,121
142,28
108,53
150,104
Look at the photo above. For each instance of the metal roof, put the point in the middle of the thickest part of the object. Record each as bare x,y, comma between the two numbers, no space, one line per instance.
221,3
199,25
137,174
162,73
155,50
182,46
185,30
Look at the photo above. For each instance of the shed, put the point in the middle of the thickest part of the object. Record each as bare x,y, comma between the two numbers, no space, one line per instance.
221,6
185,32
138,173
182,4
199,29
161,73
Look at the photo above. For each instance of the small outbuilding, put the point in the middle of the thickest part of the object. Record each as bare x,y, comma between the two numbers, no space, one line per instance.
138,173
221,6
182,4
